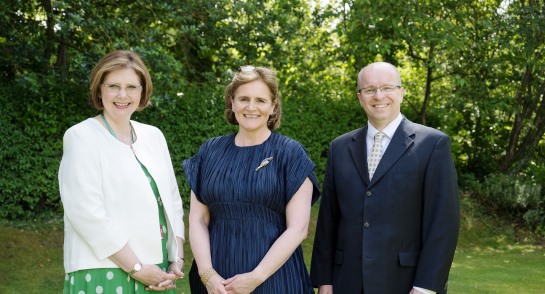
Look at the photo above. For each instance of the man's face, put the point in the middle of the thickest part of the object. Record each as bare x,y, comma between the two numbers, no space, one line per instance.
379,94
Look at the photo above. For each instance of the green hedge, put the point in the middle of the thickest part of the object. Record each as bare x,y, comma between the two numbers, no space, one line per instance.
35,116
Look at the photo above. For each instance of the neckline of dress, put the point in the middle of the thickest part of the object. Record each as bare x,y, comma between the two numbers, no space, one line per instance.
250,146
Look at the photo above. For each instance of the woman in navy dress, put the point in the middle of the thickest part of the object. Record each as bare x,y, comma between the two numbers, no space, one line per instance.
251,195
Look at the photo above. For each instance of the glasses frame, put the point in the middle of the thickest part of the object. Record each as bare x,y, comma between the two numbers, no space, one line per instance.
378,88
129,91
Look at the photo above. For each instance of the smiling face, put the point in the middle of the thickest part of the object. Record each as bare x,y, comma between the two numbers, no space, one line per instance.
121,92
381,108
252,106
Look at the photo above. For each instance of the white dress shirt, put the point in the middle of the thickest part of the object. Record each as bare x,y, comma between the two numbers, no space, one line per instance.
389,131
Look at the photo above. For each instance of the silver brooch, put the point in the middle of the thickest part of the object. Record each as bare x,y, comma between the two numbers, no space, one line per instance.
264,163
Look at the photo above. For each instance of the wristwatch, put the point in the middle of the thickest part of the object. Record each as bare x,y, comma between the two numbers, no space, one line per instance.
137,266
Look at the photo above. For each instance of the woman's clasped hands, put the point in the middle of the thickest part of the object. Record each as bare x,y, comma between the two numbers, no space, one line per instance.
239,284
242,284
158,280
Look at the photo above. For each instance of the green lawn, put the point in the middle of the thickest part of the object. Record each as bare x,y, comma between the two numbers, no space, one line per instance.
492,257
517,269
496,257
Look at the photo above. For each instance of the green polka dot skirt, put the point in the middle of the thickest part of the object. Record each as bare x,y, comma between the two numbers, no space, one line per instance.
103,280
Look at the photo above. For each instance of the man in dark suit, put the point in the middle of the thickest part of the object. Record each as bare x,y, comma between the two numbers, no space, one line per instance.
390,228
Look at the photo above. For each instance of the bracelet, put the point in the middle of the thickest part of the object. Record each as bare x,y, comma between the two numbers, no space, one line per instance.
207,275
178,259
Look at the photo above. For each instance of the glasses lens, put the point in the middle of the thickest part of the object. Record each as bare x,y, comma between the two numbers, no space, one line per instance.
132,90
387,89
369,91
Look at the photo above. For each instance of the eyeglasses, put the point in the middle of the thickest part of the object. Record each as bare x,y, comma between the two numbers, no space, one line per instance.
116,89
246,68
370,91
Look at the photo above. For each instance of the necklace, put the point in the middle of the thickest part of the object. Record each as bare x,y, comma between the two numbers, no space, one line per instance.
112,131
146,172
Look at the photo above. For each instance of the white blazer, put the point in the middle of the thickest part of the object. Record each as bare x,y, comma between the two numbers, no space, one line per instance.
108,201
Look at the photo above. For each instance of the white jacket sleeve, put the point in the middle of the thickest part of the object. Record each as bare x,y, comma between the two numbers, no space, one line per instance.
80,184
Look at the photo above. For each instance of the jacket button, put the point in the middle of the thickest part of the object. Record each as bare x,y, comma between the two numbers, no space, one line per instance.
368,193
366,225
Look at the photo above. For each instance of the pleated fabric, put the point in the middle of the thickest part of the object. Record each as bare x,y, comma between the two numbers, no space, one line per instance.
248,206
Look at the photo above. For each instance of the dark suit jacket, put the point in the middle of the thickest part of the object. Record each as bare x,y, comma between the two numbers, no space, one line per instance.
398,231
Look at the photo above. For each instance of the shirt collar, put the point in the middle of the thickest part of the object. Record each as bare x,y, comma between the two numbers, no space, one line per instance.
389,130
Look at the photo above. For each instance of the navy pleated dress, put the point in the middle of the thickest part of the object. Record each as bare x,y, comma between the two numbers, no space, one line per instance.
248,207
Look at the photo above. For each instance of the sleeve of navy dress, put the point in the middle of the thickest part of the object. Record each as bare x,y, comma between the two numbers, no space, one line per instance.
298,168
191,169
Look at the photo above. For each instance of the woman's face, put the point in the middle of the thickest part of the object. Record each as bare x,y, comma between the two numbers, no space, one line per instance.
252,106
121,92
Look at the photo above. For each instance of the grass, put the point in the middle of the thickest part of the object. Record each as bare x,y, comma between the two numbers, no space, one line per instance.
31,257
496,257
492,256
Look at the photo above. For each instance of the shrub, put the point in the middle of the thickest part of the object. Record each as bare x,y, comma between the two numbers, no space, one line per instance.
33,115
517,196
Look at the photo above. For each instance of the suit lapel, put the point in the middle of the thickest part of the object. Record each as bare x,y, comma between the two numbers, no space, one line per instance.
401,141
359,154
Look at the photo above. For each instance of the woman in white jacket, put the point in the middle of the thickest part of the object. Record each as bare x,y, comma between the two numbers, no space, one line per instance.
123,214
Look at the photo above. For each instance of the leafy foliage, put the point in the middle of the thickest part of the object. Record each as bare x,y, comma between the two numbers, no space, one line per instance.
31,147
473,69
515,197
